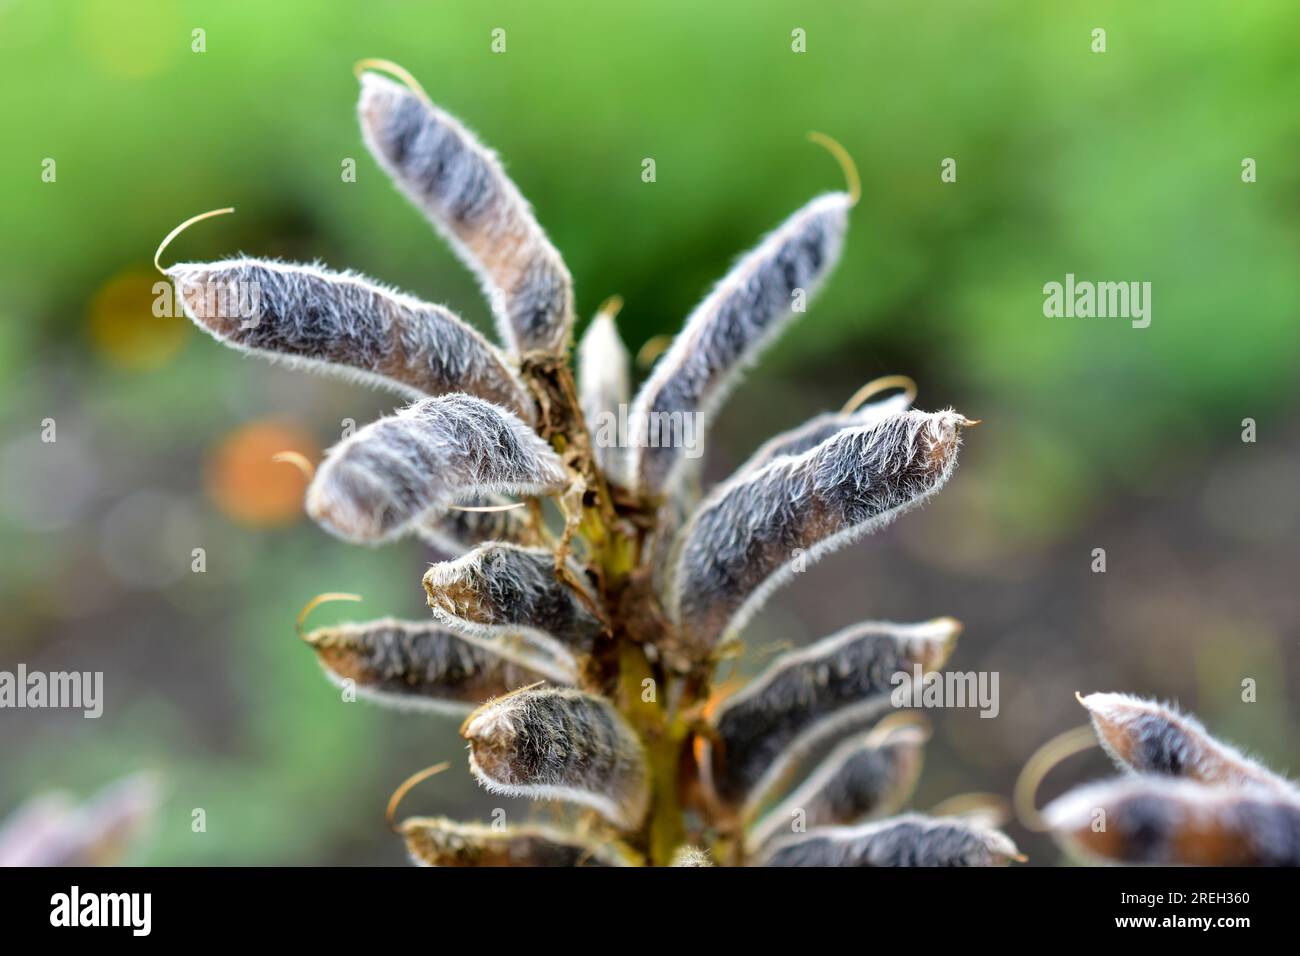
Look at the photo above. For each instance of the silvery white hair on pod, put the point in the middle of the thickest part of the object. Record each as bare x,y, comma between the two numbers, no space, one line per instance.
744,540
603,387
729,330
816,430
437,841
415,665
868,776
460,186
1168,821
375,484
809,697
908,840
563,744
1143,736
499,593
690,856
457,531
346,324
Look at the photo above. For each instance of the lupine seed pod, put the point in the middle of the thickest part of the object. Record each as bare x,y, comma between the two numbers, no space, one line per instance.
461,529
908,840
346,324
501,591
1144,736
729,330
563,744
377,483
436,841
746,539
867,776
816,430
415,665
460,186
809,697
603,372
690,856
1157,820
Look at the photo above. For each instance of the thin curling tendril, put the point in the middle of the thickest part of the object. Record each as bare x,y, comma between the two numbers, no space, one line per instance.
1044,760
846,163
181,228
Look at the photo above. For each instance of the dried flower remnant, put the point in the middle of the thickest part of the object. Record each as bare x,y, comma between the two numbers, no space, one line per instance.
587,629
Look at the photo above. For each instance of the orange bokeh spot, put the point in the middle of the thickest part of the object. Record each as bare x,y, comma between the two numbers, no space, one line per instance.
125,329
248,486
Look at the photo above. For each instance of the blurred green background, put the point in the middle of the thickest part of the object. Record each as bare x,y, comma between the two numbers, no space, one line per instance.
1120,166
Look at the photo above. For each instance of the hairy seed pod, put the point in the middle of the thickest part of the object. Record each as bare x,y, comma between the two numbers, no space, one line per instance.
461,529
809,697
436,841
1144,736
377,483
868,776
602,389
460,186
691,856
563,744
499,592
816,430
908,840
417,666
728,331
346,324
749,535
1157,820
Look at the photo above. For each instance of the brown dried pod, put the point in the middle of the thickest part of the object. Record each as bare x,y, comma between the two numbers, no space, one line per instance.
1145,736
1163,821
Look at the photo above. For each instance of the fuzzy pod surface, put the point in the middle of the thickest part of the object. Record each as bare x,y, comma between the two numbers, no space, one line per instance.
729,330
377,483
745,540
415,665
908,840
461,187
560,743
347,325
437,841
1164,821
812,695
